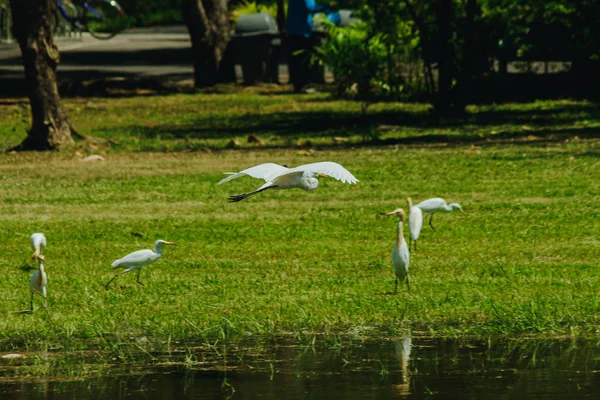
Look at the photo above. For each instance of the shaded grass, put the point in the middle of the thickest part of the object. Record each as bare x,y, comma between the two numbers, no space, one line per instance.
524,260
182,122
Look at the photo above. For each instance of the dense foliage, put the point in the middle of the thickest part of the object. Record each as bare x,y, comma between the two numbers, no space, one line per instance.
464,40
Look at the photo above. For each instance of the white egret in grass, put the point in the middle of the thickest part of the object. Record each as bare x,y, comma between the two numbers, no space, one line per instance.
38,242
437,204
280,177
415,222
400,254
138,259
38,283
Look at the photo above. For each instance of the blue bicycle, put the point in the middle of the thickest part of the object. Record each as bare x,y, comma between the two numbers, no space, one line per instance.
103,19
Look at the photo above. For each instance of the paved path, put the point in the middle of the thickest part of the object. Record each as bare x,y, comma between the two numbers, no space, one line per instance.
156,53
140,53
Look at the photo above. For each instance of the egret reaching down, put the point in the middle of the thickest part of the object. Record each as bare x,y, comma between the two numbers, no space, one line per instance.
38,283
437,204
415,222
138,259
280,177
38,242
400,254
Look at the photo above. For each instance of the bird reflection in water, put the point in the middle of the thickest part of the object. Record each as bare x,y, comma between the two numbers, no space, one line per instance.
402,388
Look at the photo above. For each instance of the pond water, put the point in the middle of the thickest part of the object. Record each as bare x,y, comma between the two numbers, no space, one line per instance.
391,369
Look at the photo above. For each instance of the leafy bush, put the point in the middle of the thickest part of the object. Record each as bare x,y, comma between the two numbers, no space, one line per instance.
252,7
356,59
151,12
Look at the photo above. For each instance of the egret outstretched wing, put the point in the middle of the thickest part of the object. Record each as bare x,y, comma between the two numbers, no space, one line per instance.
328,168
268,172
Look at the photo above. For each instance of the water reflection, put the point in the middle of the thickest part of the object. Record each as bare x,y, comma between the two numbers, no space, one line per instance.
405,368
402,388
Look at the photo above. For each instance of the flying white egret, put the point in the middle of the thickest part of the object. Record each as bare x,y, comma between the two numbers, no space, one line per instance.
415,222
280,177
38,283
437,204
138,259
400,254
38,242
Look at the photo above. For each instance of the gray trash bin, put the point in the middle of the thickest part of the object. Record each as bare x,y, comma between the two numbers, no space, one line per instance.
257,44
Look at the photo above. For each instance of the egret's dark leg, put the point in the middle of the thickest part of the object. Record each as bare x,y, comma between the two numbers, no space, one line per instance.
240,197
138,277
31,303
396,287
407,283
113,278
415,242
430,222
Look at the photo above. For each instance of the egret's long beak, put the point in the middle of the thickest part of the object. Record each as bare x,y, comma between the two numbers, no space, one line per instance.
320,175
170,243
37,256
463,213
397,213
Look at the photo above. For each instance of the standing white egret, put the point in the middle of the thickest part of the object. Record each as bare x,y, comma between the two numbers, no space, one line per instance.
38,283
280,177
138,259
415,222
38,242
437,204
400,254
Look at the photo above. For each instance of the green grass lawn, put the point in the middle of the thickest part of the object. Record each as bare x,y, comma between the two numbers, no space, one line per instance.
523,261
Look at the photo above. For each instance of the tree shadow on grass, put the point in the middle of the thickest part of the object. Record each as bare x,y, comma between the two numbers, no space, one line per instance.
494,125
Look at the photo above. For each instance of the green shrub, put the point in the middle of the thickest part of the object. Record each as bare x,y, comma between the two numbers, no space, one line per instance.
356,59
252,7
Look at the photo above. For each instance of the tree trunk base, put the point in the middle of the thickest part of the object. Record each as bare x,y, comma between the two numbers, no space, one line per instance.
33,144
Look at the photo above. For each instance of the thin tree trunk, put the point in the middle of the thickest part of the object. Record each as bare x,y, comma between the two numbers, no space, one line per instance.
280,16
32,28
208,23
425,38
467,70
443,103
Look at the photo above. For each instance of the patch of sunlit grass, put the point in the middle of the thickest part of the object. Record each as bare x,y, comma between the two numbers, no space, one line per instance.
298,263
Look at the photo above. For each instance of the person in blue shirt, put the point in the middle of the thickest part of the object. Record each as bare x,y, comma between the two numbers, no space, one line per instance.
301,40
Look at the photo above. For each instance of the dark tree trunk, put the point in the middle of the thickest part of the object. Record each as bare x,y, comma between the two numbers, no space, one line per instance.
210,31
424,39
32,28
468,55
280,16
443,103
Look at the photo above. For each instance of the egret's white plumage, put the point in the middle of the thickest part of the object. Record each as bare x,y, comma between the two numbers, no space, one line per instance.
138,259
415,222
280,177
400,253
437,204
38,243
37,284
